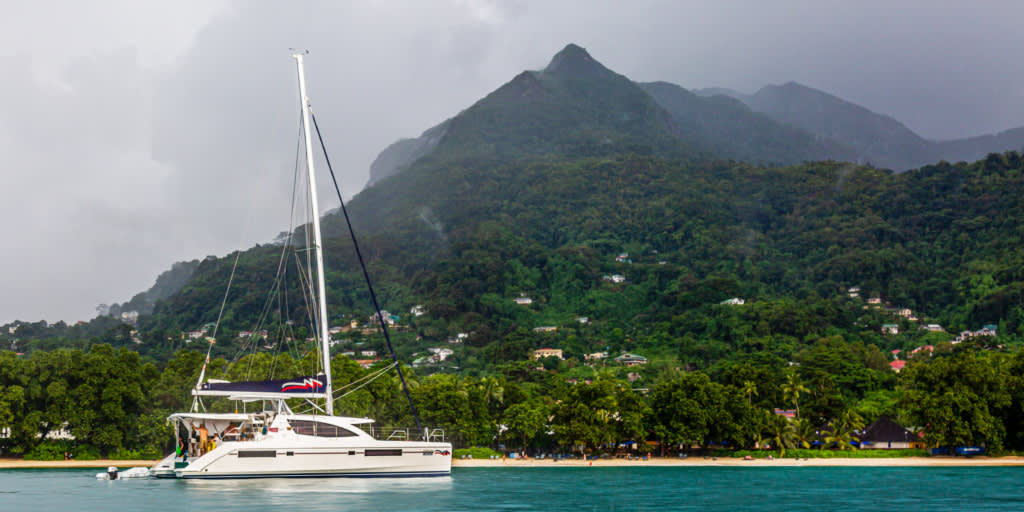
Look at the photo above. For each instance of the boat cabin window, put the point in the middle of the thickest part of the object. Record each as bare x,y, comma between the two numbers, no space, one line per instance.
319,429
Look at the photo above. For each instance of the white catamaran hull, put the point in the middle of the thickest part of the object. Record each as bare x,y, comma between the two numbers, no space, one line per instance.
264,460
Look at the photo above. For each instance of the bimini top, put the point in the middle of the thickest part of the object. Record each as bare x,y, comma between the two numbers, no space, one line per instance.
212,416
299,387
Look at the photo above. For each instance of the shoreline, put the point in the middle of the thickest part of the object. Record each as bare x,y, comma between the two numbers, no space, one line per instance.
738,462
73,464
654,461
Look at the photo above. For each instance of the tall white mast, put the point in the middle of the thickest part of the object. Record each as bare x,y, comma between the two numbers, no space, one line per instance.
321,289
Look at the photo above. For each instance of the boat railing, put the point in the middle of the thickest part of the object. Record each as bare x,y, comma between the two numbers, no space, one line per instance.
407,434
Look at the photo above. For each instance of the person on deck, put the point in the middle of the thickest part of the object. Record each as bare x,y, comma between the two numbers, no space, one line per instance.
204,436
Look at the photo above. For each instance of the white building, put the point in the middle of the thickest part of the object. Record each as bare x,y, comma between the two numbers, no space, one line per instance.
440,353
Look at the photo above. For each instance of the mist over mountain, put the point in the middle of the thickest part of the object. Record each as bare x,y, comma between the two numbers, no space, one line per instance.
876,138
730,129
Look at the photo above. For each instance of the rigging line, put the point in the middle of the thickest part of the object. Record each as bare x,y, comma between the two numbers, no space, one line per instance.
209,350
361,386
250,345
372,376
224,301
366,274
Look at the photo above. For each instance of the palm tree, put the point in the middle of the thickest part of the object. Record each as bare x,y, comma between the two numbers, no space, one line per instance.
843,430
782,433
804,433
792,390
749,388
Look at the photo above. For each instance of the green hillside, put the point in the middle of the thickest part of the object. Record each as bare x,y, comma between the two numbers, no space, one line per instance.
570,210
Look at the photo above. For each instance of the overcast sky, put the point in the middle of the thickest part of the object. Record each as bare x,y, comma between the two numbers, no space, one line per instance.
136,134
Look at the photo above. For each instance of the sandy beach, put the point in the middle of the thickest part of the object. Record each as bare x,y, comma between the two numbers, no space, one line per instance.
723,461
548,463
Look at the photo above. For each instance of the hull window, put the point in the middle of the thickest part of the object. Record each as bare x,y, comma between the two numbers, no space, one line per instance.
319,429
370,453
257,453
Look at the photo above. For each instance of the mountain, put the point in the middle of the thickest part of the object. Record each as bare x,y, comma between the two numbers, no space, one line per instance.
538,187
730,129
975,148
401,154
167,283
875,138
573,107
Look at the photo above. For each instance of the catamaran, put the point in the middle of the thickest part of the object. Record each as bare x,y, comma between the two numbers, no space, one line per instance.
273,441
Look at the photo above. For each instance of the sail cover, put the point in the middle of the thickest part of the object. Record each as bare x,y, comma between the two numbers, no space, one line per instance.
298,387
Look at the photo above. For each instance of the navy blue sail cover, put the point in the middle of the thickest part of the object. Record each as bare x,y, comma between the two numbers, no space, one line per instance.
297,385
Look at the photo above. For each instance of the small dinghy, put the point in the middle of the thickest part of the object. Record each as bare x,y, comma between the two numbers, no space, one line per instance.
113,474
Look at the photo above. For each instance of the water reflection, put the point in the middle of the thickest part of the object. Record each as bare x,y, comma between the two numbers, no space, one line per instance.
321,493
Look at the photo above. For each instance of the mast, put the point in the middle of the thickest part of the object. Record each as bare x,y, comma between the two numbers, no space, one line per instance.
321,289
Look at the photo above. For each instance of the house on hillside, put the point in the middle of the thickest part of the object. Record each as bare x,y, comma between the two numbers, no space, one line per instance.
439,354
545,328
623,258
933,328
735,301
923,348
628,359
897,365
789,413
890,329
523,301
417,310
875,300
886,434
596,356
548,352
853,292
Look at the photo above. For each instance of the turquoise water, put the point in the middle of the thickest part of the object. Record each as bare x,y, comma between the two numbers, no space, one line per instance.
576,489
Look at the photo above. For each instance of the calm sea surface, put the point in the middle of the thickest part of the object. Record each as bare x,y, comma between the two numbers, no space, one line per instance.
645,488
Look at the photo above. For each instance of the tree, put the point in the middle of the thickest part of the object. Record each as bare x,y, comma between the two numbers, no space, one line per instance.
749,389
792,390
691,409
525,420
960,399
841,431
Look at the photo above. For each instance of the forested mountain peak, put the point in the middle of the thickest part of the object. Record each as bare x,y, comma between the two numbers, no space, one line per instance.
574,60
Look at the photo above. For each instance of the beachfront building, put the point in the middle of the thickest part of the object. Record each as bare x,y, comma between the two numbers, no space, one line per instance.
886,434
548,352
